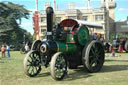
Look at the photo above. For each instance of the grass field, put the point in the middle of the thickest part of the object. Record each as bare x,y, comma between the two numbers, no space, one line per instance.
114,72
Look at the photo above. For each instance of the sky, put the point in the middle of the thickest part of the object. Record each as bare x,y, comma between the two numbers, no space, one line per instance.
121,11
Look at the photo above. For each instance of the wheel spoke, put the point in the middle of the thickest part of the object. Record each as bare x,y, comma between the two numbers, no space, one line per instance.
36,68
99,52
93,51
32,58
28,69
32,71
92,62
29,61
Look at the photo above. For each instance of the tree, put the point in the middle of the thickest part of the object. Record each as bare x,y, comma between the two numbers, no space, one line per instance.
119,35
10,17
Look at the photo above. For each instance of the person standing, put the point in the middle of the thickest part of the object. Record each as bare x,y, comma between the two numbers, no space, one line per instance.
26,48
3,51
8,51
95,36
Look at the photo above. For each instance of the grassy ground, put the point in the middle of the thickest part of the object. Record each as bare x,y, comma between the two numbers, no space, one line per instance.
114,72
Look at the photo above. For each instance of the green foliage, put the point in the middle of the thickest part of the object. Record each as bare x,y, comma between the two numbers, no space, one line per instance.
13,36
10,15
119,35
10,18
122,35
111,37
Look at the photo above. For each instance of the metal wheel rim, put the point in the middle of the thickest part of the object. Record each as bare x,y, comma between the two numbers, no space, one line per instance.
95,56
32,65
58,66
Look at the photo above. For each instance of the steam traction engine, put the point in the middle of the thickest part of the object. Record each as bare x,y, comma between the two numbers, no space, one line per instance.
123,45
67,45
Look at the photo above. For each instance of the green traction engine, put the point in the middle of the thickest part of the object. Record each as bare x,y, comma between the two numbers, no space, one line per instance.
67,45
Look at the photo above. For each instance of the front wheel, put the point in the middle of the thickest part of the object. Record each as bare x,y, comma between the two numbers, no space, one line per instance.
58,66
32,63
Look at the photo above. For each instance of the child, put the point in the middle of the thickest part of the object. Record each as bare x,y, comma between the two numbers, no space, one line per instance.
3,51
113,53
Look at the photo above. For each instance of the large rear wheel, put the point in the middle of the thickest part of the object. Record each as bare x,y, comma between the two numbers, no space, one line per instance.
126,46
93,56
58,66
32,63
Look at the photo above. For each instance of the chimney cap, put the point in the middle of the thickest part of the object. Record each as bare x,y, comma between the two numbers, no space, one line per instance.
49,10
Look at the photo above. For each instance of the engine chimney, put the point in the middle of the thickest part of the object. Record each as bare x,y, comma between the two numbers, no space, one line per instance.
49,12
